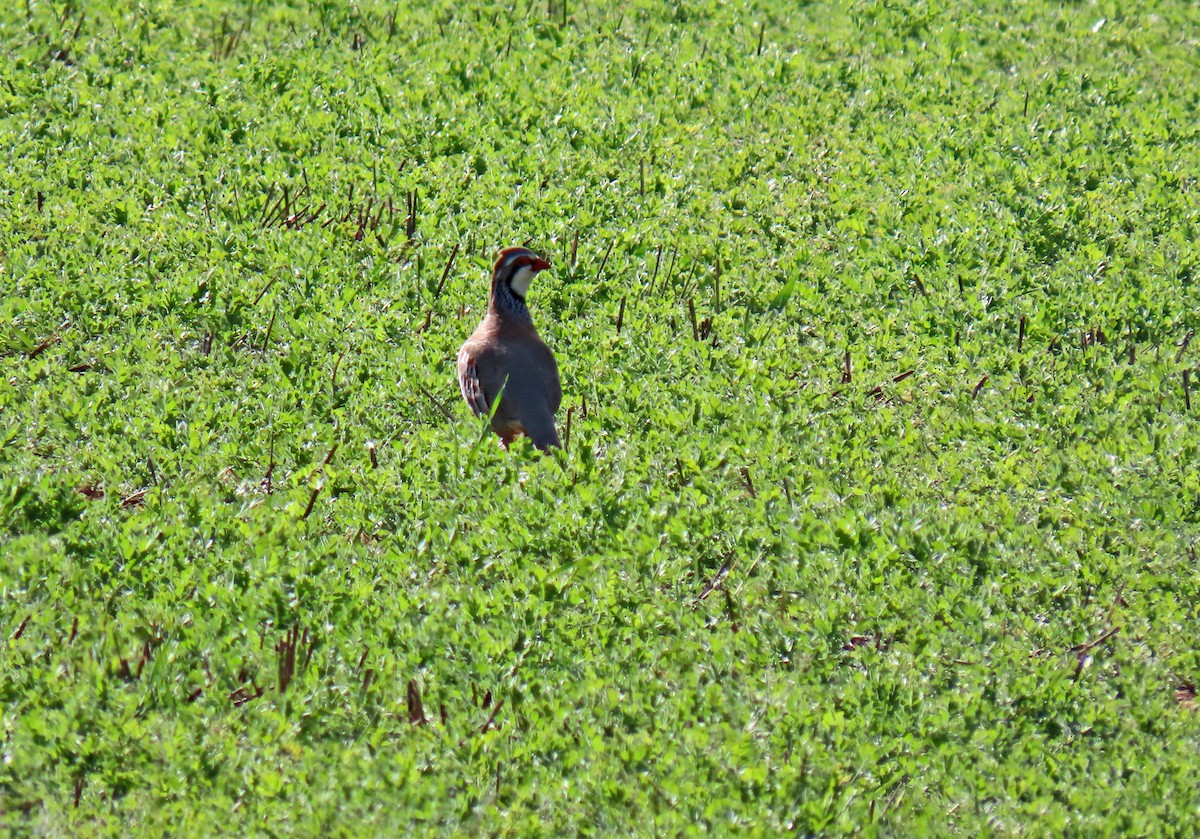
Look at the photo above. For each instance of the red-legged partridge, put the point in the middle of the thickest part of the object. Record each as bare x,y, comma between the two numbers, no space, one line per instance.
506,358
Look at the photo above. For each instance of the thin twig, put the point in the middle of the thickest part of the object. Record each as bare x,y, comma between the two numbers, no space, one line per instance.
1113,608
567,429
333,376
604,261
492,718
657,262
437,403
716,581
446,272
1091,645
265,289
1183,345
749,483
270,326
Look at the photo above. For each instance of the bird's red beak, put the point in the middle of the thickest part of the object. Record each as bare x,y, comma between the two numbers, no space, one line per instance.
540,264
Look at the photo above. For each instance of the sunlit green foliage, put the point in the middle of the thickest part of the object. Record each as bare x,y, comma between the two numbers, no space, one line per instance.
878,508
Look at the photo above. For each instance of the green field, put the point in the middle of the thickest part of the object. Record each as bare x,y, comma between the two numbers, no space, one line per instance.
880,496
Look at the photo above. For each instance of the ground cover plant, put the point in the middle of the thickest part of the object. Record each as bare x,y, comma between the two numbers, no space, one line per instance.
878,498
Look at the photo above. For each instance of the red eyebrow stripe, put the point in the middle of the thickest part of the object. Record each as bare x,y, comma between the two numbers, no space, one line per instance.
522,258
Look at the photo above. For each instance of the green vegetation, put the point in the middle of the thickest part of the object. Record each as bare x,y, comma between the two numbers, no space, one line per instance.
878,508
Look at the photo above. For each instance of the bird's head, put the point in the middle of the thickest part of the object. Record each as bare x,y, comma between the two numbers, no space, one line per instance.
515,269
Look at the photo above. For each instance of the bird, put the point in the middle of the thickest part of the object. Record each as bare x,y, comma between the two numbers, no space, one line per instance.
506,359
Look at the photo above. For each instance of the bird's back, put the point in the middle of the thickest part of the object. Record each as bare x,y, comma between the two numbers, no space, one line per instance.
512,356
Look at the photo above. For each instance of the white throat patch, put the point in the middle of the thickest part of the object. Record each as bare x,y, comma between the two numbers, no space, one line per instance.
521,280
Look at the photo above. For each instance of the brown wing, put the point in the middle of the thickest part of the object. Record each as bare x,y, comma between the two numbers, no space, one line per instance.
469,383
